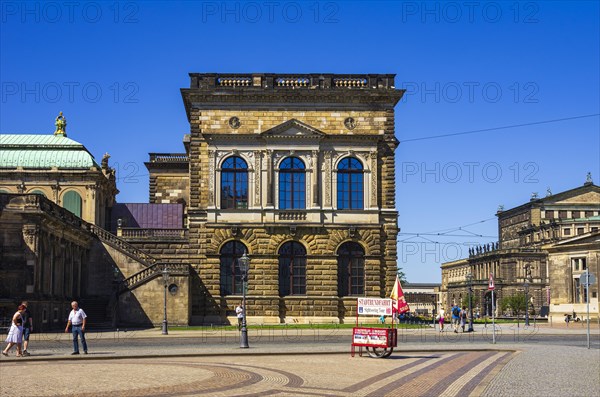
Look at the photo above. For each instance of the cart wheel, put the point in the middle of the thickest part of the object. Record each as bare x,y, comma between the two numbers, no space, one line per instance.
377,352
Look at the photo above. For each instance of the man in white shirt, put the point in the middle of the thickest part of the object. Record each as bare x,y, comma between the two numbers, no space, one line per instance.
77,319
239,311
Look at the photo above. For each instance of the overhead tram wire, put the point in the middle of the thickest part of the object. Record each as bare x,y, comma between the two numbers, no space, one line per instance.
500,128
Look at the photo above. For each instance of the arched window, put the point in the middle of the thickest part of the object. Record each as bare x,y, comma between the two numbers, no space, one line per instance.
72,202
231,274
36,191
292,184
234,183
350,187
292,269
351,269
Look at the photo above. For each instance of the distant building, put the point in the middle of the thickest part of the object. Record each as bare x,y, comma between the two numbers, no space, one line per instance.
422,298
544,245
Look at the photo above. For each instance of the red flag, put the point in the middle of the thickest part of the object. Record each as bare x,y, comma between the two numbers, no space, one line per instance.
399,304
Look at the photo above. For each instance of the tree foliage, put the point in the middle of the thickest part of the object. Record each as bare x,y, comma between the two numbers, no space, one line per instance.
516,303
465,301
401,276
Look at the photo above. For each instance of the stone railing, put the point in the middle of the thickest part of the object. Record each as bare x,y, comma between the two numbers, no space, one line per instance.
324,81
292,82
135,233
122,245
168,157
292,215
37,202
350,82
234,81
145,275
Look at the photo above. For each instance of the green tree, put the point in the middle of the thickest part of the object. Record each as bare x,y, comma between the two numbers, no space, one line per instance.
516,303
401,276
474,301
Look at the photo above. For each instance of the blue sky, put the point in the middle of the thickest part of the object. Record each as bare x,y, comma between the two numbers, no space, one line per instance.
115,70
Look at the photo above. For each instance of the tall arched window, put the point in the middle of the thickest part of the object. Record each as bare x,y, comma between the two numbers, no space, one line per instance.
351,269
231,274
72,202
292,269
350,187
234,183
292,184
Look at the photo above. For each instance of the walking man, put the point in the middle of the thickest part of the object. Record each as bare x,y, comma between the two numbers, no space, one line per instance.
77,319
27,327
239,311
455,317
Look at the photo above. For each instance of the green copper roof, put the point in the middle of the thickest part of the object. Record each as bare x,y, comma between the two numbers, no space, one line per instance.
43,151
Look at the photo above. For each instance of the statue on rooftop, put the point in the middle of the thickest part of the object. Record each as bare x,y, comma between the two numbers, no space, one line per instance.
61,125
105,161
588,179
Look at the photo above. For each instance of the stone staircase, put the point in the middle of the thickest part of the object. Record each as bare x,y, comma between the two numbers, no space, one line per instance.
122,245
152,267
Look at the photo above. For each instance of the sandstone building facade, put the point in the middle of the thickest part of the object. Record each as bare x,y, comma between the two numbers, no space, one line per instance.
297,171
547,243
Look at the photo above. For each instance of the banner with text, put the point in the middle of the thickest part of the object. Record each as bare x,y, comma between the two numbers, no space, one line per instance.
374,306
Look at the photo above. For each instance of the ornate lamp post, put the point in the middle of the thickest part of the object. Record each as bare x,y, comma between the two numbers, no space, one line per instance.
165,274
470,280
244,262
526,285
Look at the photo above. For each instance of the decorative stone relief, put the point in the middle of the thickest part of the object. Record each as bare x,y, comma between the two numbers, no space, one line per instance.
30,234
257,177
374,177
235,122
211,177
327,174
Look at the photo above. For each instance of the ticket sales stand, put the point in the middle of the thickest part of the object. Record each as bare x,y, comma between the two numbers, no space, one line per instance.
379,342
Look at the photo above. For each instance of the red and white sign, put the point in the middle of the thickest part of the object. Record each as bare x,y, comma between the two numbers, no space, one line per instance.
374,306
374,337
491,283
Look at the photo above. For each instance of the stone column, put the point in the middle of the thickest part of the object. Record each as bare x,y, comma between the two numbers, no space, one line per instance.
315,178
327,175
257,179
269,178
374,177
31,239
211,178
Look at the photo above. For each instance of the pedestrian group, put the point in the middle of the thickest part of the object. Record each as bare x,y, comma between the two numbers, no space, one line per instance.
22,325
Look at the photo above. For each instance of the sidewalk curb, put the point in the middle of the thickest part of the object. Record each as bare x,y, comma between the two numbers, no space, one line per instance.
237,354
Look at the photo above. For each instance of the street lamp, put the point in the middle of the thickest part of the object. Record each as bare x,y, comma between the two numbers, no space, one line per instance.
165,274
470,280
244,262
526,285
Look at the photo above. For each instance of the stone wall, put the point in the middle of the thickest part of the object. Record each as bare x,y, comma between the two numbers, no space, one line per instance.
169,188
144,305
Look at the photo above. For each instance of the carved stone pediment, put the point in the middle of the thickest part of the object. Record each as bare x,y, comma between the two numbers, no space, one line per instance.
293,129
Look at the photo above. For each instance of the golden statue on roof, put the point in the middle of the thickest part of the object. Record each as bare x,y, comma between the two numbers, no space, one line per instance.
61,125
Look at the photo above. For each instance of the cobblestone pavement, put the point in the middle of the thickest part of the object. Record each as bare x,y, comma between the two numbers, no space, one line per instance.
426,363
428,374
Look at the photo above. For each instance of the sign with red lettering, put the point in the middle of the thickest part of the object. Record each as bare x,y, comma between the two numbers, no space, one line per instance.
374,306
374,337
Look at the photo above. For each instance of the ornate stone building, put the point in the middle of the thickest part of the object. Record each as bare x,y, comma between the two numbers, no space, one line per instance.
45,249
547,244
297,171
60,169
